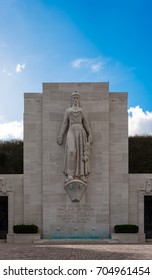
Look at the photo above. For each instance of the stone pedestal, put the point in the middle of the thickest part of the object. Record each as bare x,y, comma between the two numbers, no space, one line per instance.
75,189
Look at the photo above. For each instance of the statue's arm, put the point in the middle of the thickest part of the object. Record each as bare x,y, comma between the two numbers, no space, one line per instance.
87,127
63,128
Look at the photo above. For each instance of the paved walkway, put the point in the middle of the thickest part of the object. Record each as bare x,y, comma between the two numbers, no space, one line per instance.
75,251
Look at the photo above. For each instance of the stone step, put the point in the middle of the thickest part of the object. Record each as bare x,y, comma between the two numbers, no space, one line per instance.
75,241
2,240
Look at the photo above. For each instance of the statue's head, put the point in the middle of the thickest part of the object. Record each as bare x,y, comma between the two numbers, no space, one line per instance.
75,98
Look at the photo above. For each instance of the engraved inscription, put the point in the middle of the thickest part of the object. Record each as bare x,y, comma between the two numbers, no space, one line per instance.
78,214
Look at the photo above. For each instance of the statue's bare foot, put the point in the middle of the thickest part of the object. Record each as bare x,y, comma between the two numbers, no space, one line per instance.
83,178
70,178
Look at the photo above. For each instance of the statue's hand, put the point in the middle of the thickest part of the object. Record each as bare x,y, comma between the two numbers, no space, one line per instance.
90,138
59,140
85,158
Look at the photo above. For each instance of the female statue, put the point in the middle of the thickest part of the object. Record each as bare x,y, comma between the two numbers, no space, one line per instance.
78,140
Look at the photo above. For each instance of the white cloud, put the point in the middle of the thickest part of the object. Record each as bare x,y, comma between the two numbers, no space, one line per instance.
105,68
96,67
11,130
93,64
140,122
7,73
20,67
77,63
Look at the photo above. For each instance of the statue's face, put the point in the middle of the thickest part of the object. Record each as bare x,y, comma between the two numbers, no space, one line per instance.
75,100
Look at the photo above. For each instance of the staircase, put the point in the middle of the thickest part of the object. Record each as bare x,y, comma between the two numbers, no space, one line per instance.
75,241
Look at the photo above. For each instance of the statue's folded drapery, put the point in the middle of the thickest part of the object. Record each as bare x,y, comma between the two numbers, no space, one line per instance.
78,140
76,162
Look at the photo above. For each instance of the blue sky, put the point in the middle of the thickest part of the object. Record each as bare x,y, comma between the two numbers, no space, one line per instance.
65,40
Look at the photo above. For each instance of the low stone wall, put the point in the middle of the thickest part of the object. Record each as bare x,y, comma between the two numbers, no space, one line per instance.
128,237
23,238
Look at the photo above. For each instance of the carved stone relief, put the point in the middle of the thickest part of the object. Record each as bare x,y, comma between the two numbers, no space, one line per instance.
77,147
3,186
75,189
147,187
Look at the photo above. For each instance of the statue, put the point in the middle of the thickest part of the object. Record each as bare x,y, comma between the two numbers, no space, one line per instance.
78,141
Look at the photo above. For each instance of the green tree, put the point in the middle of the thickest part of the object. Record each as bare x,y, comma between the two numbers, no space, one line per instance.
140,154
11,157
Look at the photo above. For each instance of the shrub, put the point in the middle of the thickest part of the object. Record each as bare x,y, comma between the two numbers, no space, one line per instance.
126,228
25,228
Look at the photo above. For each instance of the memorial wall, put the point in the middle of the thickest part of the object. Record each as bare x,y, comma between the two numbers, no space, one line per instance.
75,182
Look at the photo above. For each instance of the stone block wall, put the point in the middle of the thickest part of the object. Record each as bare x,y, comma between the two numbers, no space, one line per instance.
105,202
39,195
61,217
118,151
33,159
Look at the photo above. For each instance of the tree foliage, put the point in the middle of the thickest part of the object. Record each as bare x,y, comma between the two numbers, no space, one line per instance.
11,157
140,154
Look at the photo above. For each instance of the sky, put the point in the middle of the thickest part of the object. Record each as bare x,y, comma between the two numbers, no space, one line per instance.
69,41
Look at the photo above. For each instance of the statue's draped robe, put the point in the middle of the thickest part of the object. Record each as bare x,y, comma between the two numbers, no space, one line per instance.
76,147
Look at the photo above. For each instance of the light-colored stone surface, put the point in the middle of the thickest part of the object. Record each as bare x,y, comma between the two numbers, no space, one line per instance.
126,237
105,202
33,187
118,153
78,140
18,238
90,217
111,197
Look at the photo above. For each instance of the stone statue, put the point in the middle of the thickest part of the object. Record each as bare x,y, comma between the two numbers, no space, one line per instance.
78,141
